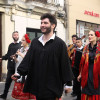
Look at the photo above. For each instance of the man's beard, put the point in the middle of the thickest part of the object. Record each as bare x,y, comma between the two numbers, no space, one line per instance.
15,39
48,30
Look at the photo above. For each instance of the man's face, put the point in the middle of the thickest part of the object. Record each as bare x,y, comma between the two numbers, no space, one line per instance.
79,43
74,40
15,36
46,27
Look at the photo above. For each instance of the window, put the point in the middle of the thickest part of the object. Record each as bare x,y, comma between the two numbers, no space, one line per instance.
84,27
33,33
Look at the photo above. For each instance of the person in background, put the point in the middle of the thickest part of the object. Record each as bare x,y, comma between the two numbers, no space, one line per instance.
70,50
46,63
75,63
90,69
12,49
17,92
71,47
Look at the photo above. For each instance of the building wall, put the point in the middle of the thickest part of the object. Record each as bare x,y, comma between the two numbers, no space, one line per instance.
76,12
15,19
21,23
7,29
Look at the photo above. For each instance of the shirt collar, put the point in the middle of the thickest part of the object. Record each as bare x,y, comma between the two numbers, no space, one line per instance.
80,48
16,42
51,38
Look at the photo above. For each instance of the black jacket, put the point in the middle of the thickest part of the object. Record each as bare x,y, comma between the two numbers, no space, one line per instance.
12,49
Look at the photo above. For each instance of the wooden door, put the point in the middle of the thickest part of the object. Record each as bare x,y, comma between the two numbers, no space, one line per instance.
0,44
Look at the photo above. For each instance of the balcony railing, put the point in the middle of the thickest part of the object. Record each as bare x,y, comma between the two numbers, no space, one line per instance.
52,2
42,1
45,1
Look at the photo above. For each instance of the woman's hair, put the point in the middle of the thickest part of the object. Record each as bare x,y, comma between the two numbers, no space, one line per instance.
27,38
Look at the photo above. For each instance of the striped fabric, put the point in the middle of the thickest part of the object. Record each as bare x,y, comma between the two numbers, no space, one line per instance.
90,97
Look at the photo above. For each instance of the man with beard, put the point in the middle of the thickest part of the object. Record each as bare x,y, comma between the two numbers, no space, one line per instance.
12,49
46,64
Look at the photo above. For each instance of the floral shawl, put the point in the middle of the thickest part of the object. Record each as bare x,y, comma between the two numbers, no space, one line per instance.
84,66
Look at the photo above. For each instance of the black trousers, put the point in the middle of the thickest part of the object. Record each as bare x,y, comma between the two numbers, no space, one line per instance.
76,84
8,81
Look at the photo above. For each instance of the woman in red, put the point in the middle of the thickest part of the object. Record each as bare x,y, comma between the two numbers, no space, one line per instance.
90,69
17,92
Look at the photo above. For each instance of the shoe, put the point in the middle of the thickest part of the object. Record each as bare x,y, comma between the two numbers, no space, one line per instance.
3,96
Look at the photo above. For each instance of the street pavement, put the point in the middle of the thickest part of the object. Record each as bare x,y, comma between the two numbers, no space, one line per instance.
64,96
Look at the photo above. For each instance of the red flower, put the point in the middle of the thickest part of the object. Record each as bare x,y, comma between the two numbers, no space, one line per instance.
97,33
27,38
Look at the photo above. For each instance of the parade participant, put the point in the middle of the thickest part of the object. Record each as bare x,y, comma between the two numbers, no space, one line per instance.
17,92
71,47
75,63
90,69
12,49
70,50
46,63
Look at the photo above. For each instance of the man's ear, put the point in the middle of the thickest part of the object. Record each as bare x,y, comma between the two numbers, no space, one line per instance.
53,26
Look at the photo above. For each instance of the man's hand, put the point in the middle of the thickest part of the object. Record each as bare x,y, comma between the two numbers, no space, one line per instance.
67,90
0,60
79,78
13,56
14,77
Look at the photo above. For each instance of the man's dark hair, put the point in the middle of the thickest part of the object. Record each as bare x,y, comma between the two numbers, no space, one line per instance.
78,39
51,18
75,36
14,32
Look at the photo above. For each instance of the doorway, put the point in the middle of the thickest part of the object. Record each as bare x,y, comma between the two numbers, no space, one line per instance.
0,44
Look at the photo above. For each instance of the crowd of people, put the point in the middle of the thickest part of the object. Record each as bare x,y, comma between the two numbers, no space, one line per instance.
85,66
41,70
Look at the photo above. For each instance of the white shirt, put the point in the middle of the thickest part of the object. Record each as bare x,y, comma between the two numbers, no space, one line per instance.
41,39
16,42
19,59
80,48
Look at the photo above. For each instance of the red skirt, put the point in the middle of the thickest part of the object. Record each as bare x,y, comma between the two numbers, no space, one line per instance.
17,92
90,97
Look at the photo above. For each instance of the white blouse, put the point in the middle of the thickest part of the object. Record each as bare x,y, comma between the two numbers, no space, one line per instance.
19,60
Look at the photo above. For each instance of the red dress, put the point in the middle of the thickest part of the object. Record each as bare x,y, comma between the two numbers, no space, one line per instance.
17,92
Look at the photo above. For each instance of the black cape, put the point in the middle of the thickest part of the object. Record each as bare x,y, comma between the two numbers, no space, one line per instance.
47,68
